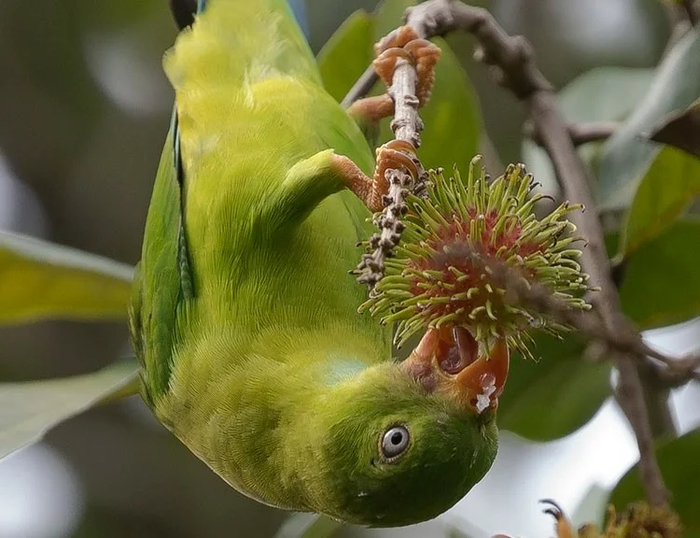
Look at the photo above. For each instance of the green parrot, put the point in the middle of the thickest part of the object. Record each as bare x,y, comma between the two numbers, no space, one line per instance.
244,315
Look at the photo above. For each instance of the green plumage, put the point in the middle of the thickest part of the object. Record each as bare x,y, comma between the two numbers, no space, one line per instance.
253,352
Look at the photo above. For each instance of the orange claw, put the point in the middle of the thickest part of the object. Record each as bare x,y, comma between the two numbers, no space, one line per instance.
397,38
372,109
397,154
402,145
402,43
562,526
426,56
385,63
405,43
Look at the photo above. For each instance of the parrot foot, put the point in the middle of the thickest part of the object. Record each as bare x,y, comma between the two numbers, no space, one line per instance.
562,525
372,109
396,154
403,43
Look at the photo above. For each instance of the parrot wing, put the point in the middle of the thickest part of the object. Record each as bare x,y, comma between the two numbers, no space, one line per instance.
163,279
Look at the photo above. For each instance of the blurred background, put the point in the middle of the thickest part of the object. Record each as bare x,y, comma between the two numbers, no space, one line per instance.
84,108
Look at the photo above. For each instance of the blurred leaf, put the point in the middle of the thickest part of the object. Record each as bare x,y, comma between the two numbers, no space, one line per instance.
540,166
612,243
678,460
40,280
660,286
601,94
305,525
100,15
452,117
676,85
669,185
28,410
604,94
389,15
561,375
681,130
347,54
592,506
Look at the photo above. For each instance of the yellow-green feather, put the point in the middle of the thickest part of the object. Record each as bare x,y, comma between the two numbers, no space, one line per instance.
269,250
262,366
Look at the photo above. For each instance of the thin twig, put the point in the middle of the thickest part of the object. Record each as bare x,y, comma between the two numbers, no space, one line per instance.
511,63
580,133
680,371
689,7
361,88
406,126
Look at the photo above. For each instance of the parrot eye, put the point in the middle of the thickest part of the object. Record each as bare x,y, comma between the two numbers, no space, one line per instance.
395,442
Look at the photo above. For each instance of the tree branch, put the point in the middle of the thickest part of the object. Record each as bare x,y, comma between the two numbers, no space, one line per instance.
406,125
511,63
580,133
689,7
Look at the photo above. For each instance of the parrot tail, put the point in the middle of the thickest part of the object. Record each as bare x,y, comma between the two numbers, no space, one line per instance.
238,42
183,12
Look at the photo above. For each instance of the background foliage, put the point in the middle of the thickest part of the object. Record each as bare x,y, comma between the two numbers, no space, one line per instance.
85,108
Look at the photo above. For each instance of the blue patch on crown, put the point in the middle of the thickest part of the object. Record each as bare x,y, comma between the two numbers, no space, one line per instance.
341,367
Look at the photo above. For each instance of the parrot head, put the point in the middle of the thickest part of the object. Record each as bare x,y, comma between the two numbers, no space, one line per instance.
414,436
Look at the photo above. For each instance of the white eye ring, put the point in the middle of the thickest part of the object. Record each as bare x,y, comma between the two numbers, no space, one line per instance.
395,441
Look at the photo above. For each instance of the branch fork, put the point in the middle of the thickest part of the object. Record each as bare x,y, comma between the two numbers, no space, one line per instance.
512,65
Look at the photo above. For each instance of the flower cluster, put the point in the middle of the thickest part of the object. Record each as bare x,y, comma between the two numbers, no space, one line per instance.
441,273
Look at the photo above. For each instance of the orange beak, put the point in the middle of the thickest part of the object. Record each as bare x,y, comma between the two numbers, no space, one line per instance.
449,361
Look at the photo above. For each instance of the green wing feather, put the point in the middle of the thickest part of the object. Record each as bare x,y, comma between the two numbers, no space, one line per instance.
249,104
158,283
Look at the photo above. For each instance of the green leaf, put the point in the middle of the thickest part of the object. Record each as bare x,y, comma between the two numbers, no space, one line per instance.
452,117
29,409
604,94
347,54
678,460
305,525
116,14
681,130
561,375
601,94
670,184
40,280
627,155
661,284
389,15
